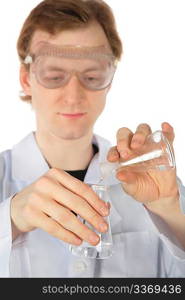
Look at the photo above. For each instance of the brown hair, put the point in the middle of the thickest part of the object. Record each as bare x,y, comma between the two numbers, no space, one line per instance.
52,16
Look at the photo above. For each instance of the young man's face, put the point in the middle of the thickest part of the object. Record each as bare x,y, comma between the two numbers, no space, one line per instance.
70,111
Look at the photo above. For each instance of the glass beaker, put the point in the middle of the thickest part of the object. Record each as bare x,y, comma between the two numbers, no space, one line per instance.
156,153
104,249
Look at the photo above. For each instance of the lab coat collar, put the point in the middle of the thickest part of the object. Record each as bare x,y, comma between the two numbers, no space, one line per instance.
28,163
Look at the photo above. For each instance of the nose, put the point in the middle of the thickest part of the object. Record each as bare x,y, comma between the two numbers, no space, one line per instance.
73,91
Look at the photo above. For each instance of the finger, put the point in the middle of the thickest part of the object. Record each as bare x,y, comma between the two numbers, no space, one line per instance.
53,228
73,202
138,139
126,177
78,188
70,222
124,136
82,208
113,154
168,131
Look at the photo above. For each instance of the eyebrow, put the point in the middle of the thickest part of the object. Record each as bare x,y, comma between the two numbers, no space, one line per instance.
91,69
50,68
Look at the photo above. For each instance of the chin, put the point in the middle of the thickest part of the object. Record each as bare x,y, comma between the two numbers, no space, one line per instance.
70,135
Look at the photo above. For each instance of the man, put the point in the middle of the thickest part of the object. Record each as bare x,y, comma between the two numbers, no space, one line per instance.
68,51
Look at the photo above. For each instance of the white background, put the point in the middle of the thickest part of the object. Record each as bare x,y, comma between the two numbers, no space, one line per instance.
149,85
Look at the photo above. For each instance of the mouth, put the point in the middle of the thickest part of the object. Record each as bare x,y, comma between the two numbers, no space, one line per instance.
71,116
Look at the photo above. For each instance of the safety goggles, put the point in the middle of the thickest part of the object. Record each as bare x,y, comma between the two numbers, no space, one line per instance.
53,66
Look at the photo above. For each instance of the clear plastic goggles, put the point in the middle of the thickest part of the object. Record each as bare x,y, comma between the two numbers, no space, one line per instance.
54,66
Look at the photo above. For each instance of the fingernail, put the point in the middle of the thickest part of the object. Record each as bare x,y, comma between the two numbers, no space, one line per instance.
104,210
115,154
108,205
136,141
124,154
78,242
103,227
93,238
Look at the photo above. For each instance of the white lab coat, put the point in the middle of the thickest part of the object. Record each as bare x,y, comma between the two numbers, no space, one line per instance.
143,246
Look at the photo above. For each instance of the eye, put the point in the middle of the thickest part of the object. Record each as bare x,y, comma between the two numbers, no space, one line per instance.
54,76
90,78
94,79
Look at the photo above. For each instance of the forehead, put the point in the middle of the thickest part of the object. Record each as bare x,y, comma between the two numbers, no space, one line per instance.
90,36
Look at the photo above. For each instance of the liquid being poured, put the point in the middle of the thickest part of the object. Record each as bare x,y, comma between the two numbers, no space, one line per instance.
107,168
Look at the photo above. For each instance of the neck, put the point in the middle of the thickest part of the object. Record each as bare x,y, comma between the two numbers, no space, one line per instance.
65,154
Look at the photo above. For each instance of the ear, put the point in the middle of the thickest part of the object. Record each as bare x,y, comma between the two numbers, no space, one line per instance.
25,80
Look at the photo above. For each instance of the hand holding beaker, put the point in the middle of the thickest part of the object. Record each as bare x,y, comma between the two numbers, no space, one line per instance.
148,171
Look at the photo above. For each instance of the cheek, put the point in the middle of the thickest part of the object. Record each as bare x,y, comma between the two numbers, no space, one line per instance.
98,102
42,99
